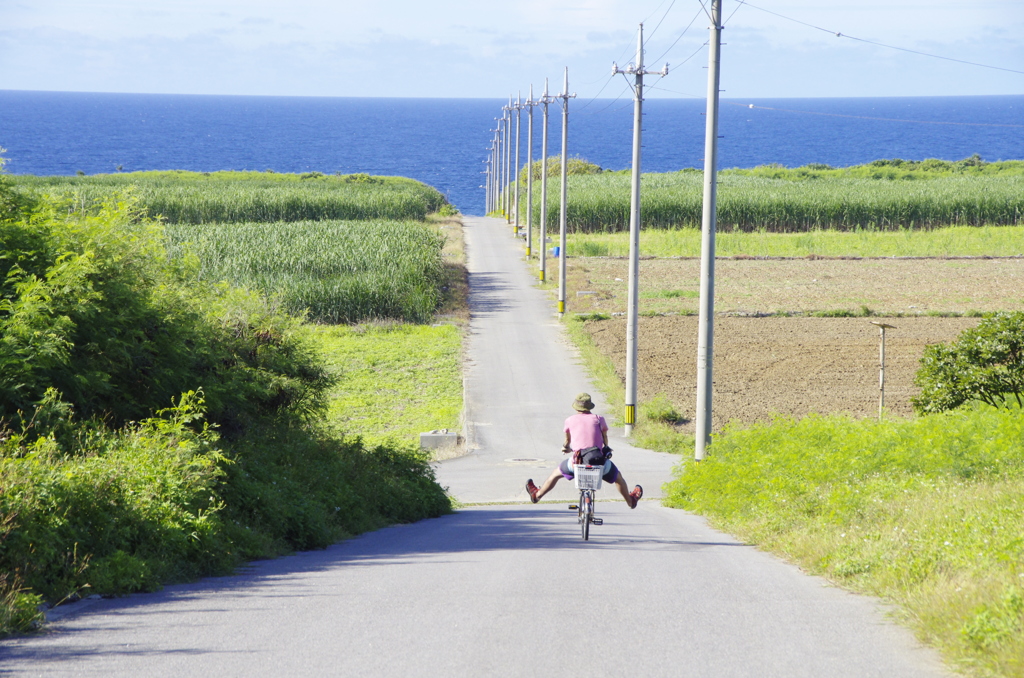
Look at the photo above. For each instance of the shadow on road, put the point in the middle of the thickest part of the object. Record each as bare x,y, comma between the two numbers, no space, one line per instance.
489,293
440,540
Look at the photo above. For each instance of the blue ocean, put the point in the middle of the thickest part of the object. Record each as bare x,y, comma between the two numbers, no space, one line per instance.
444,142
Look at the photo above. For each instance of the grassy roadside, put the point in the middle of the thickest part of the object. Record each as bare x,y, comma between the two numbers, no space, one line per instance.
924,513
394,381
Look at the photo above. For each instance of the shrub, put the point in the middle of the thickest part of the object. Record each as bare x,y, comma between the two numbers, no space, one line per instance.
984,363
90,305
576,167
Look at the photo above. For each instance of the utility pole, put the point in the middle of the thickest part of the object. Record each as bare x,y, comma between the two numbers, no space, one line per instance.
508,162
494,171
501,164
882,327
543,235
506,118
487,185
564,96
530,103
709,222
519,110
633,298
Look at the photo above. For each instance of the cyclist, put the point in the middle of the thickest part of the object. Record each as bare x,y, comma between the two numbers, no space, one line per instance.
585,430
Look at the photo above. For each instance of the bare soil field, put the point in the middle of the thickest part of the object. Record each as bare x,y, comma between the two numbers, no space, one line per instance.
750,286
791,365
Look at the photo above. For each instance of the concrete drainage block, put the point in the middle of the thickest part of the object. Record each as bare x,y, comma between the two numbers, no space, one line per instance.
436,440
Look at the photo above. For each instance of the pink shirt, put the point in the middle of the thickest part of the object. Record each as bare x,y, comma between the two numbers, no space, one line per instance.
585,430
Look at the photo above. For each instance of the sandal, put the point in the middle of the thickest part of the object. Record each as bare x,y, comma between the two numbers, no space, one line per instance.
532,490
636,494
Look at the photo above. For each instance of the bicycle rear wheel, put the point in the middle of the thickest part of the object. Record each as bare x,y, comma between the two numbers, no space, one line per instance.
587,507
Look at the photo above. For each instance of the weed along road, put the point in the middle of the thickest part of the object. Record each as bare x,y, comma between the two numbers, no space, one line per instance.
502,587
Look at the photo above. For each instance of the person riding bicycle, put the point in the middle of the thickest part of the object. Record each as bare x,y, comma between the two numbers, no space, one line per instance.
585,432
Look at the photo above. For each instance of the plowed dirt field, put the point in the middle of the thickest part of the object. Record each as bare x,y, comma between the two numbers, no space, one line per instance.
791,365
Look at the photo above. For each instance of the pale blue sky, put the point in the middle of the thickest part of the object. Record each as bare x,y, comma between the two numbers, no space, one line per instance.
464,48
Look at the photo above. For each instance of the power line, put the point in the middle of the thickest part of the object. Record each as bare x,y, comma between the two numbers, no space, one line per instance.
878,44
594,98
738,5
695,17
614,101
651,34
656,11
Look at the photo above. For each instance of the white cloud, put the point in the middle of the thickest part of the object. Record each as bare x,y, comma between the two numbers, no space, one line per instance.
472,48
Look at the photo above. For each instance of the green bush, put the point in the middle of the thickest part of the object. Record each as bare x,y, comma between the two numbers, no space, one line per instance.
135,506
90,305
164,500
575,167
105,489
984,363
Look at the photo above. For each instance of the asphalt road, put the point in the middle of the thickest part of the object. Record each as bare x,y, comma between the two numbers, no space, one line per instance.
498,590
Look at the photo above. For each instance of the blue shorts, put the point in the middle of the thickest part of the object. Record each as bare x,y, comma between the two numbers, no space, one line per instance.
611,472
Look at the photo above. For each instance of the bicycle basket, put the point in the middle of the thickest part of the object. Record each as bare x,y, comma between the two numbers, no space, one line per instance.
587,478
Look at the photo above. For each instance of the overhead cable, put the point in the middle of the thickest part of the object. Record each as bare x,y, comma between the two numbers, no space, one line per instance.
695,17
878,44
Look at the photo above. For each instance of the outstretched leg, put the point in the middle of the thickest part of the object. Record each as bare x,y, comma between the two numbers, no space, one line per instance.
555,476
632,498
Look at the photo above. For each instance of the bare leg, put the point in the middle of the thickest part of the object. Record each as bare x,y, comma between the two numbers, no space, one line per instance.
549,483
620,483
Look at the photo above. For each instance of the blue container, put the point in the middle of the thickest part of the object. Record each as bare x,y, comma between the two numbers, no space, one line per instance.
555,251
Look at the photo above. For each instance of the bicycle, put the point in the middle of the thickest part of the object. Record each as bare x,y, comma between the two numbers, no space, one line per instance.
587,480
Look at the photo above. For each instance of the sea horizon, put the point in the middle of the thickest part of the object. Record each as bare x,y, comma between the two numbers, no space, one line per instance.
444,141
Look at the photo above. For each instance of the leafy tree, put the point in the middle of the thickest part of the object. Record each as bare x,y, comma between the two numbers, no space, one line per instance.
985,363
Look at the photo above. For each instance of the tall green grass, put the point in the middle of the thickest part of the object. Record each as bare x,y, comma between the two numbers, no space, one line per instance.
749,202
991,241
199,198
392,381
336,271
895,168
927,513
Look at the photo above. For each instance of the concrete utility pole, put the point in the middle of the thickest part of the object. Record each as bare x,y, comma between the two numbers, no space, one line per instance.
882,327
502,145
519,110
491,170
706,321
564,96
487,184
530,103
633,298
543,234
494,171
508,161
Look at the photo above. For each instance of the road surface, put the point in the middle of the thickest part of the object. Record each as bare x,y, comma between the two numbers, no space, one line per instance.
505,589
